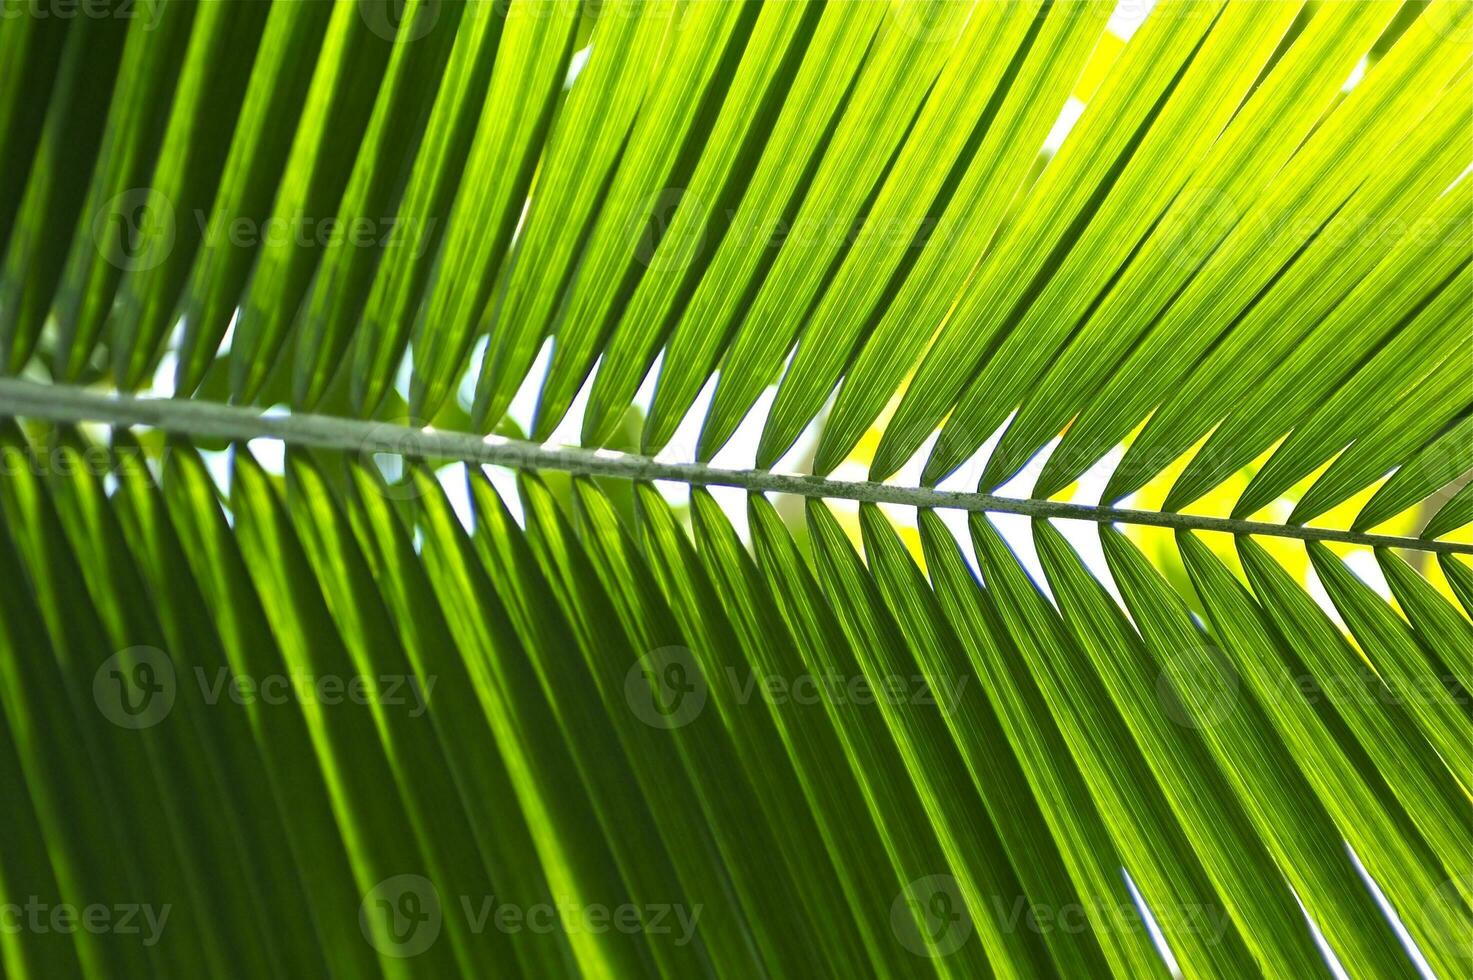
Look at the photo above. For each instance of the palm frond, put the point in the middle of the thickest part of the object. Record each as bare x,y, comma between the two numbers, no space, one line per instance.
429,693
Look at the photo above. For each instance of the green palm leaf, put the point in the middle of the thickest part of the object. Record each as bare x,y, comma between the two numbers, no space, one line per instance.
311,664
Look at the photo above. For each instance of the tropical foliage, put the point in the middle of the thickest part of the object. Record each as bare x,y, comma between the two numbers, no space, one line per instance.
449,685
